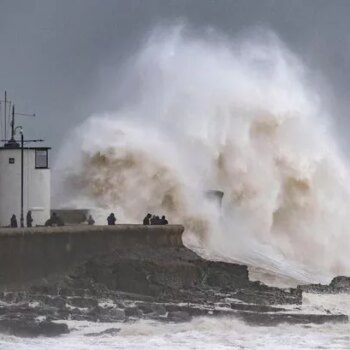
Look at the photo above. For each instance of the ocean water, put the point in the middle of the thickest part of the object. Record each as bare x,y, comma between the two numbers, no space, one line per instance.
202,333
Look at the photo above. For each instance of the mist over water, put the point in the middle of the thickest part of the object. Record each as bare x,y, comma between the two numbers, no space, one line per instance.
204,112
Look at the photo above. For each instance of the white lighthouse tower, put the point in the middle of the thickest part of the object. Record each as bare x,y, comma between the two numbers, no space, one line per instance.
24,178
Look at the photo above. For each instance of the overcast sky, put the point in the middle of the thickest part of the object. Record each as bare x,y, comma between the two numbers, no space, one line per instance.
53,54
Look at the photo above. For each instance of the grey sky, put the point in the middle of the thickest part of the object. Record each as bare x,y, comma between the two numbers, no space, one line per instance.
53,53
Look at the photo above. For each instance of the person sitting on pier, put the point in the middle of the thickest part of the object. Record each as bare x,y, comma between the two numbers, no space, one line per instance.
29,219
54,220
146,220
111,219
163,220
13,221
90,220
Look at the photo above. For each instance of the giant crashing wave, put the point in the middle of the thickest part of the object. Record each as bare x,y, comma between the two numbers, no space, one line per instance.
237,115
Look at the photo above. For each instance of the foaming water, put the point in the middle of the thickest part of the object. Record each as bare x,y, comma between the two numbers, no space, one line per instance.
236,115
202,333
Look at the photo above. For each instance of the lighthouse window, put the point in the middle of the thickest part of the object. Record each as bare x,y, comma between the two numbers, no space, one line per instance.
11,160
41,159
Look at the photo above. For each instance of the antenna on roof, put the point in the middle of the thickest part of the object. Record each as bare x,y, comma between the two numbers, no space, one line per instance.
6,102
12,142
13,124
13,121
5,114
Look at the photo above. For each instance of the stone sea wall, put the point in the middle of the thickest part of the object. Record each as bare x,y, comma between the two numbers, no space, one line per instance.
29,254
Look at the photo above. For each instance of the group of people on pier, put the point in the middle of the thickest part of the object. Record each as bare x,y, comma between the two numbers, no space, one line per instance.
55,220
29,220
154,220
148,220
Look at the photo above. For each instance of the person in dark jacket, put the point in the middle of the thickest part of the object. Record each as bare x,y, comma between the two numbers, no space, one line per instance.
111,219
153,220
29,219
146,220
164,221
13,221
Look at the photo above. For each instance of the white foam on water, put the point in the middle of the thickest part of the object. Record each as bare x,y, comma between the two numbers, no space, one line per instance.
202,333
334,303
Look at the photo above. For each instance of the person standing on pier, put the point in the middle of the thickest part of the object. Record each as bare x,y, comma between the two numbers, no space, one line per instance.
29,219
146,220
163,220
13,221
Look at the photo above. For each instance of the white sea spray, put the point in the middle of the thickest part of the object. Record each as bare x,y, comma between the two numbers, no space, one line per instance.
239,115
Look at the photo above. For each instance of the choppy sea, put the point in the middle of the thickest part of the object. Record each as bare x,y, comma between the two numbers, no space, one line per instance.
201,333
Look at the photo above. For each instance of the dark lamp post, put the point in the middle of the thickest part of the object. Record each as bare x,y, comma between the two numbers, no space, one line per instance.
22,170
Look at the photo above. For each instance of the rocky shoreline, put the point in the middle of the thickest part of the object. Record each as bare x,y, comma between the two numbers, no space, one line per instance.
168,284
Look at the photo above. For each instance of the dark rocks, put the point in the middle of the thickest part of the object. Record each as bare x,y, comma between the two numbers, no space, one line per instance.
258,293
31,328
133,312
191,309
340,284
179,316
152,308
109,331
107,314
133,296
225,275
82,302
267,319
159,309
145,308
256,308
50,329
167,284
54,301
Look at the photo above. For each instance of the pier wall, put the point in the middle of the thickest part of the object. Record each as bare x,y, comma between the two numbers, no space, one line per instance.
29,254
